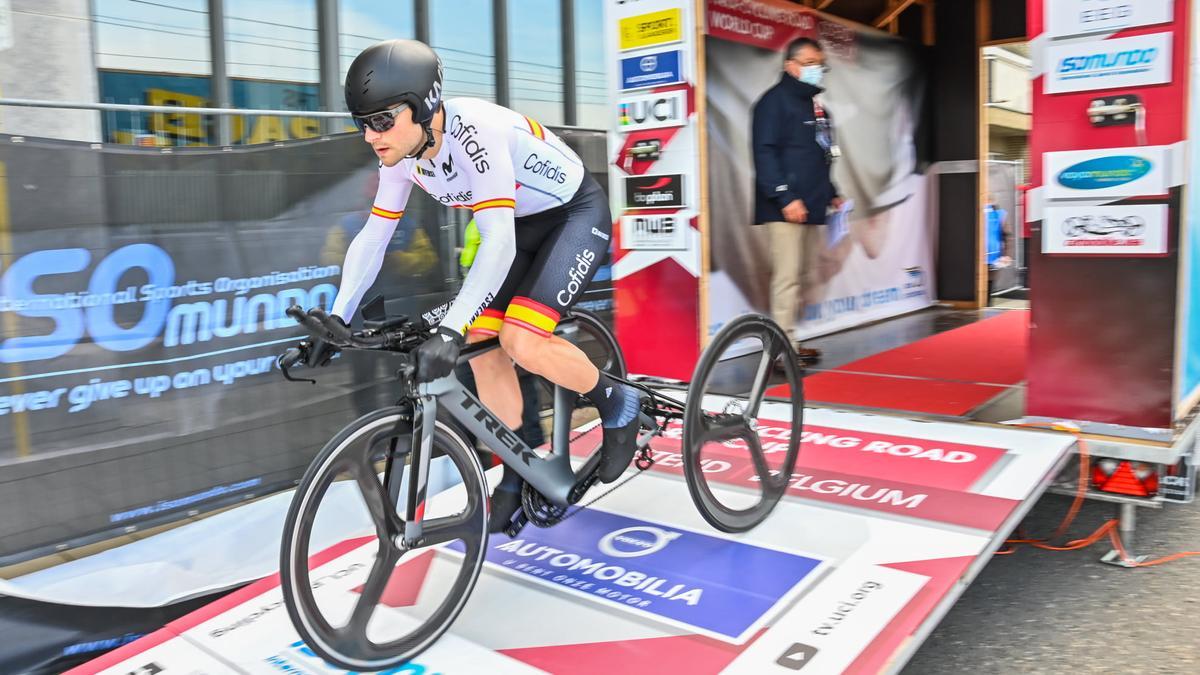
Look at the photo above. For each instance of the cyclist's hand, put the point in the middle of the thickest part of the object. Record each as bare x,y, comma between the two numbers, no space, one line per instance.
438,355
320,352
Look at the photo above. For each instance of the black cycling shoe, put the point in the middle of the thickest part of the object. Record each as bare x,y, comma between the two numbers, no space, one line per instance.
620,445
505,504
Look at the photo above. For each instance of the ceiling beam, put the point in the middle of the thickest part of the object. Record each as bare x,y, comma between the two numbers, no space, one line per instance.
897,7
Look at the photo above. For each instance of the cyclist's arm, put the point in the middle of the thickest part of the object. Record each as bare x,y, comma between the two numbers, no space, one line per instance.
495,216
364,257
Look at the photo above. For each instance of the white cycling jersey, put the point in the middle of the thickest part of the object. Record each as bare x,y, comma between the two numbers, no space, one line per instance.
494,161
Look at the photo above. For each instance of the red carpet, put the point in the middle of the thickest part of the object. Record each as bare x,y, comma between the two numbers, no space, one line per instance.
951,373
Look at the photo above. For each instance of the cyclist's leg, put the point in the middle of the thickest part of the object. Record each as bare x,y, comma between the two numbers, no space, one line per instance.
560,273
495,376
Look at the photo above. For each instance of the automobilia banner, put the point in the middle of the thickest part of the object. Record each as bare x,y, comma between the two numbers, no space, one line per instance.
880,263
654,183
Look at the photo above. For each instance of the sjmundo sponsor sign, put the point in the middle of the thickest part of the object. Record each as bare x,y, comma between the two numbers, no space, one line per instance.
1105,64
674,575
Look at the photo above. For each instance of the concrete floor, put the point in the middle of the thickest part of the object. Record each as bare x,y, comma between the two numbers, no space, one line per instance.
1050,612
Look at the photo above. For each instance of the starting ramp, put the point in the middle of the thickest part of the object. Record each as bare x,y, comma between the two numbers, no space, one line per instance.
886,522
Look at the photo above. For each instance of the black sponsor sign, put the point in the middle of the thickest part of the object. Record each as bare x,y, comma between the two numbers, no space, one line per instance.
652,192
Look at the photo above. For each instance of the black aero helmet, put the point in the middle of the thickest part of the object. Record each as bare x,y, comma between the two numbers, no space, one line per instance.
395,71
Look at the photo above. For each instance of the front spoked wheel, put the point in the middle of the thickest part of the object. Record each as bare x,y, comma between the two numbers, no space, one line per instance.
738,461
388,601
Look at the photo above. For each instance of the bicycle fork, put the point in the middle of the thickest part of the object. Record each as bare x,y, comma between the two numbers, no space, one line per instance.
424,414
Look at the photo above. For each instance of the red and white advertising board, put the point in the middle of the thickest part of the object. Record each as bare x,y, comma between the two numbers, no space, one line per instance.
884,525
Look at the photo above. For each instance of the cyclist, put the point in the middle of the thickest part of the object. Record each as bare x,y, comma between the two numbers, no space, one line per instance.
544,228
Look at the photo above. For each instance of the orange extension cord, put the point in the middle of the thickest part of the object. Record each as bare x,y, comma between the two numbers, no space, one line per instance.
1109,527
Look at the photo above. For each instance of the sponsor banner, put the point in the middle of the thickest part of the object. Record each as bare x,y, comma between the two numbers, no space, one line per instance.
651,70
683,578
654,191
854,487
161,653
665,231
648,30
827,630
1112,172
1106,64
1106,230
653,110
767,24
1065,18
253,631
881,263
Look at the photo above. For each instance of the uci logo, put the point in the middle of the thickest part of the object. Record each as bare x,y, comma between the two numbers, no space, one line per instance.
648,63
1104,172
636,541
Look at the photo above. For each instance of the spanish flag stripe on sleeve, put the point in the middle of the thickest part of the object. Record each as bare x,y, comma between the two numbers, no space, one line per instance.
536,128
384,213
501,203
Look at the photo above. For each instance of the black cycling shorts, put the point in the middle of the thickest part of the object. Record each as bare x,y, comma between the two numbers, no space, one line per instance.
558,253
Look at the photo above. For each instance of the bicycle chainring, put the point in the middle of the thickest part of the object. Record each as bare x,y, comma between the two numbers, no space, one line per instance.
540,511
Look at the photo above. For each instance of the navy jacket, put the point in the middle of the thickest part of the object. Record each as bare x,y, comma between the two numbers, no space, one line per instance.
788,162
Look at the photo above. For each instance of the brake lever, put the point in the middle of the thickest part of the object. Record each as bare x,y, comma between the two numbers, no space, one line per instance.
290,358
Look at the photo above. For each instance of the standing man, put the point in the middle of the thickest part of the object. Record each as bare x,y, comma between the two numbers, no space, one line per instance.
794,151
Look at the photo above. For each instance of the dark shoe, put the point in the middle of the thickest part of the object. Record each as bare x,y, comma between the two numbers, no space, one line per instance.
808,355
620,445
504,506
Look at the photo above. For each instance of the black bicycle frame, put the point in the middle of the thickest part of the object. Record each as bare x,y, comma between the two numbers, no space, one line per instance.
552,476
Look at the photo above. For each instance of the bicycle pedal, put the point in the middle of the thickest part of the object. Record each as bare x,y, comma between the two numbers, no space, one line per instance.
644,460
516,525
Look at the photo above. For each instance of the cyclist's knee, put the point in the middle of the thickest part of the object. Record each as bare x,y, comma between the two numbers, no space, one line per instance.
522,345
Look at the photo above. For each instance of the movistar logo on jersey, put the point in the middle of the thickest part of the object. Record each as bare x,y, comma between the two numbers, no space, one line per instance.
1104,172
466,135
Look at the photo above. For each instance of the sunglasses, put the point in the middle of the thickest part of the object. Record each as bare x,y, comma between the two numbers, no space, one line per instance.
379,122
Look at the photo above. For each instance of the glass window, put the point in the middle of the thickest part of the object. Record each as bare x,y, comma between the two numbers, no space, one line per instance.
362,23
591,83
152,37
152,53
535,70
461,32
275,40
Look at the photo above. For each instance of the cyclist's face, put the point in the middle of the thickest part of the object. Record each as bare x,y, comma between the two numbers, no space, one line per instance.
393,145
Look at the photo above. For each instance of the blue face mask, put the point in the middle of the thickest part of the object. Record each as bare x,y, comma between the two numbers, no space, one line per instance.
813,75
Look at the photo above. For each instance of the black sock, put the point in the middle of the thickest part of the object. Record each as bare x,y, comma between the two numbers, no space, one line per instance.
608,397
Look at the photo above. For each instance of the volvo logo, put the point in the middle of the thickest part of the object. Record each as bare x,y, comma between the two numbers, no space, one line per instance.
636,541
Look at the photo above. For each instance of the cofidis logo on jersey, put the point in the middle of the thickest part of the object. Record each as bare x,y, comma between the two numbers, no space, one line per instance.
1104,64
1104,172
651,70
